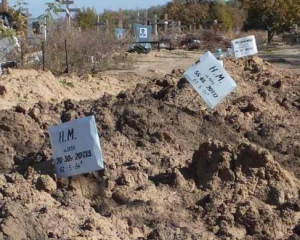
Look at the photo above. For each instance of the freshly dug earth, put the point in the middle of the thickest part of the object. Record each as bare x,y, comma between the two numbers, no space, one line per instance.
174,169
27,87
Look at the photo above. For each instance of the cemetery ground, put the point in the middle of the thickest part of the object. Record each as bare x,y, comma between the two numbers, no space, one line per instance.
174,169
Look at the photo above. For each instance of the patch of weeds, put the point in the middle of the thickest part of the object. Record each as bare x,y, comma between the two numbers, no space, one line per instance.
180,53
175,54
119,62
65,83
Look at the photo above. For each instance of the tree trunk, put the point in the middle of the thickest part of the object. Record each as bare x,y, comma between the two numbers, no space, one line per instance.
270,35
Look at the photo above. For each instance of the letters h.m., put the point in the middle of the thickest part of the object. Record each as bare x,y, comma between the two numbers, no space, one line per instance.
66,136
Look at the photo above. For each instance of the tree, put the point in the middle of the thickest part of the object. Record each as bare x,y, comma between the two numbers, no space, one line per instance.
275,16
188,12
86,18
222,13
19,18
51,9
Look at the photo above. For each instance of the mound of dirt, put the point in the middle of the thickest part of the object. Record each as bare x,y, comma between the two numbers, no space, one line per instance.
249,193
174,169
27,87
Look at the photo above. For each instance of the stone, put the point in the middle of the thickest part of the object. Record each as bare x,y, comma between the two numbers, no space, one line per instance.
20,109
3,90
35,113
46,183
257,60
120,197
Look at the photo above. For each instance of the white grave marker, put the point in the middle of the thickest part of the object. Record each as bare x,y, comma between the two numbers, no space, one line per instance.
210,80
76,147
222,62
244,47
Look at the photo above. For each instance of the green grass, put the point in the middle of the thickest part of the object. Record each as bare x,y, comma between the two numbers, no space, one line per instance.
65,83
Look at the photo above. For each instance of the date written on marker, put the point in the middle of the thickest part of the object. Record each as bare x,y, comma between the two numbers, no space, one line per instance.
78,156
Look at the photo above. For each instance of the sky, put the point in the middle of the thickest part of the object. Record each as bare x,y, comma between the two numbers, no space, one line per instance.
37,7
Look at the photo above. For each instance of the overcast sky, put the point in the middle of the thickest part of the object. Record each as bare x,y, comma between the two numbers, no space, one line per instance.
37,7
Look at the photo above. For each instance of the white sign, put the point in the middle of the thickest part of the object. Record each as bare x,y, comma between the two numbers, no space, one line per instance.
210,80
245,46
143,32
76,147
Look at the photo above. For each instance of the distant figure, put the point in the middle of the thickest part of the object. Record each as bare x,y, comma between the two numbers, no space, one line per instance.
215,26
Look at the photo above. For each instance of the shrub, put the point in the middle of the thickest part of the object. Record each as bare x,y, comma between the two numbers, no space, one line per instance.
88,50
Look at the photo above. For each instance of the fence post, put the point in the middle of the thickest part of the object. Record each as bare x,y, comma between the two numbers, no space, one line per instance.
146,16
173,27
155,26
120,18
67,57
166,24
45,28
43,51
107,25
22,53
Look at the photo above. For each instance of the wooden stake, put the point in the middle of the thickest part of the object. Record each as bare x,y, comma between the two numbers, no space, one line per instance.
173,28
180,109
166,25
155,27
81,185
107,25
43,51
120,18
67,57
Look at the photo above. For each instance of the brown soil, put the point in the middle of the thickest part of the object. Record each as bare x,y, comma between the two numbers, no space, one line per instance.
27,87
174,169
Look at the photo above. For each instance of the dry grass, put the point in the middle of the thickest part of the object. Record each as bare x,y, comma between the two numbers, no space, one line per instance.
260,36
88,51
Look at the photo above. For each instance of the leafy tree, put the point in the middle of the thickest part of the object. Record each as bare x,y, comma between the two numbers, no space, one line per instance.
222,13
111,16
86,18
188,12
158,10
19,18
273,16
51,9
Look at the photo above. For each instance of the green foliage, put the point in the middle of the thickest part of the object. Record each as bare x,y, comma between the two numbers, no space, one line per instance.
7,33
51,9
223,15
65,83
203,13
273,16
20,6
130,15
188,12
87,18
19,18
